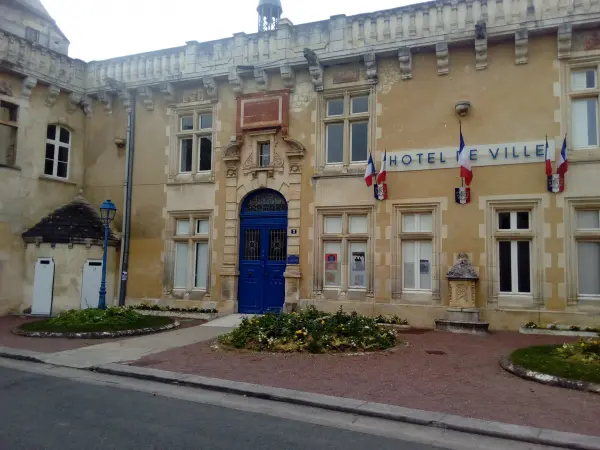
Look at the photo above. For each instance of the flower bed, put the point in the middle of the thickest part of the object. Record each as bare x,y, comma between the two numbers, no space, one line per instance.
90,323
310,331
560,365
559,330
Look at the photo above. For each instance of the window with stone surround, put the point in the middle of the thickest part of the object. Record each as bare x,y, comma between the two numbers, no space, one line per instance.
191,245
583,251
58,150
344,249
346,117
514,252
582,99
415,262
195,137
8,133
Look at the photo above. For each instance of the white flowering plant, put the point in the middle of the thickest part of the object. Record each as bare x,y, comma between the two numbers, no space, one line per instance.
311,331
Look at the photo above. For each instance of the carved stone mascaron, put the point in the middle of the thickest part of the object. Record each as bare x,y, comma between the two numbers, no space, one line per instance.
462,269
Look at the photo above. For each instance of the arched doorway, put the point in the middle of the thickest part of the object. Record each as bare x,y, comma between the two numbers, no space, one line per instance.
263,252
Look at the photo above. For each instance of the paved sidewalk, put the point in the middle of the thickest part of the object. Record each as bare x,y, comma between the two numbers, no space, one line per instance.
132,349
448,373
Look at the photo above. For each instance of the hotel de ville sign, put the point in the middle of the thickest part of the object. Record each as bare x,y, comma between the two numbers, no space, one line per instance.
480,155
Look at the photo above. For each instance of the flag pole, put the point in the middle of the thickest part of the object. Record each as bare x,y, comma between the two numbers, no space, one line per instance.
462,180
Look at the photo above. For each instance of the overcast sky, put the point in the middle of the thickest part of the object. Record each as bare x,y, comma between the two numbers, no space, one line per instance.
102,29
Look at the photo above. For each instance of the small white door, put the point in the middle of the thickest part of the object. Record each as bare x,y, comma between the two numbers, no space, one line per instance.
43,286
90,285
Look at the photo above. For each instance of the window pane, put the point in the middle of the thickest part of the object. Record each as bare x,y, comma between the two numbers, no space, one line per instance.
65,135
409,222
335,107
50,131
49,167
588,256
524,266
264,154
504,253
522,220
585,132
187,123
408,264
50,151
358,224
202,227
360,105
183,227
425,223
205,154
333,272
425,264
63,154
252,245
584,79
335,143
201,265
504,221
359,134
181,265
333,225
357,262
186,155
61,169
587,220
206,121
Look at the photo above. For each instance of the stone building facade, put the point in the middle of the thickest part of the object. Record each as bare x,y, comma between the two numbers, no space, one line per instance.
250,152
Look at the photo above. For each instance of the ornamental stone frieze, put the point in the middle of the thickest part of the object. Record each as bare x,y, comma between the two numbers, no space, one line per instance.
290,49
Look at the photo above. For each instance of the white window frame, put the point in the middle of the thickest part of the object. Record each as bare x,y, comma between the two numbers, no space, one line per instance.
514,235
345,238
191,238
576,64
534,234
57,144
573,237
347,118
413,295
195,112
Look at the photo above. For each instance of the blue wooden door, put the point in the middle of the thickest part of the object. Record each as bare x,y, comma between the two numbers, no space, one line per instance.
263,252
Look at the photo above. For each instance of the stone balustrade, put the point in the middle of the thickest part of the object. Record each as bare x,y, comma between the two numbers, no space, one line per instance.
434,24
35,61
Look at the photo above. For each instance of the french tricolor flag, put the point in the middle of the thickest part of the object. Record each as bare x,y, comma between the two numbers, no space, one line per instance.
370,172
548,159
466,171
563,166
383,172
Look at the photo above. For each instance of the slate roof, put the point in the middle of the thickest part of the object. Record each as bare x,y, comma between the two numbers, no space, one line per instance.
74,223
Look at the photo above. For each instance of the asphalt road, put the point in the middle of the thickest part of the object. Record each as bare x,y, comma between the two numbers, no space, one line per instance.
45,412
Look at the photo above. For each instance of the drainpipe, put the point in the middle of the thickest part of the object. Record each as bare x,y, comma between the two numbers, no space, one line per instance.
127,203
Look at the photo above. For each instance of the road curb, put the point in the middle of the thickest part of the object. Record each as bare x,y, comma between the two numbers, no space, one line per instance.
20,355
550,380
352,406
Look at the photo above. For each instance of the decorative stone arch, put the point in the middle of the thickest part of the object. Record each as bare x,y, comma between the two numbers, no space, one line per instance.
238,187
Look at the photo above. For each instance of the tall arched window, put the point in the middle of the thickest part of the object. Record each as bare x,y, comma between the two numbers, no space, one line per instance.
58,148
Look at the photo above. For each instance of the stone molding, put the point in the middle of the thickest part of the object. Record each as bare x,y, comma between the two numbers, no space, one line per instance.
29,83
53,92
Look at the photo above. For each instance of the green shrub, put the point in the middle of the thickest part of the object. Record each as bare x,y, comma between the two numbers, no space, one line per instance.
86,320
312,331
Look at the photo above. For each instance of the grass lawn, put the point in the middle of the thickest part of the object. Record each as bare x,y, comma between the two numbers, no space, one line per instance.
541,359
95,320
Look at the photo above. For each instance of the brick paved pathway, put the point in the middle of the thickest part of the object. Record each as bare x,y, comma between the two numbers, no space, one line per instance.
466,380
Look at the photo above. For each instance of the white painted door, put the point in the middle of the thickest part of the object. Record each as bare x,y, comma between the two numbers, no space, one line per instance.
90,285
43,285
